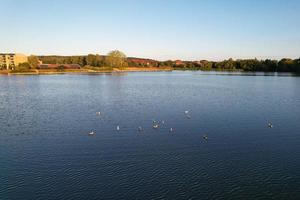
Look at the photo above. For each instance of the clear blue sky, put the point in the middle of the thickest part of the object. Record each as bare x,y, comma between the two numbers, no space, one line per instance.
159,29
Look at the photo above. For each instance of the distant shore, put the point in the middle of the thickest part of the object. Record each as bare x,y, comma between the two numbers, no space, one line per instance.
113,70
88,71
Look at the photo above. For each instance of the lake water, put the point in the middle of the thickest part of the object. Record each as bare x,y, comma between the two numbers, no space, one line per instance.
46,152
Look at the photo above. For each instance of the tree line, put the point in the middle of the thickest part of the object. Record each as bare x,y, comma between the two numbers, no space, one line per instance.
268,65
283,65
118,59
112,59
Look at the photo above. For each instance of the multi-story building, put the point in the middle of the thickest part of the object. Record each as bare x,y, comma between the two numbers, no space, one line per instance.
11,60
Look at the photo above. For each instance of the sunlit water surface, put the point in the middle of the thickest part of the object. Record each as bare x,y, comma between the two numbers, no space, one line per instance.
46,152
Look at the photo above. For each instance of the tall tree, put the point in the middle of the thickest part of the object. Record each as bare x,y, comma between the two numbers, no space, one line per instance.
285,65
116,59
91,60
33,61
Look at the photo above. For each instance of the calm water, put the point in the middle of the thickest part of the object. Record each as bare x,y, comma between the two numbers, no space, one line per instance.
46,153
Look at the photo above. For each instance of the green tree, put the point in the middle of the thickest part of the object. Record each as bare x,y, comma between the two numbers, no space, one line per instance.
116,59
296,65
33,61
206,64
91,60
98,60
22,67
270,65
229,64
285,65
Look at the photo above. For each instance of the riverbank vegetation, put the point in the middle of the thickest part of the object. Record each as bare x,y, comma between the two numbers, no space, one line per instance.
117,60
98,61
114,59
283,65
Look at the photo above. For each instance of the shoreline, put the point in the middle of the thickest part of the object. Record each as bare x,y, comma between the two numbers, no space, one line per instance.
84,71
118,70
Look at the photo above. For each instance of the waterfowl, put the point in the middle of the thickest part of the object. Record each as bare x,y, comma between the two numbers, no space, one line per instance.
140,129
162,122
155,126
186,112
171,130
205,137
118,128
98,113
270,125
91,133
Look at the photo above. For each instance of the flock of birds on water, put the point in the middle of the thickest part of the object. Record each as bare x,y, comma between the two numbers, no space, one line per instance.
155,125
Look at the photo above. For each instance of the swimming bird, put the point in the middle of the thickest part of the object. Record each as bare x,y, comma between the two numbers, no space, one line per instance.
91,133
171,130
162,122
155,126
118,128
205,137
140,129
98,113
187,114
270,125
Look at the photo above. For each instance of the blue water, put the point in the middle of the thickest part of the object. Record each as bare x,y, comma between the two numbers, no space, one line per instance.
46,152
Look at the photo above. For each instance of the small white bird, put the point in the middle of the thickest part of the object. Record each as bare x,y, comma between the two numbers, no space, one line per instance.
186,112
91,133
155,126
162,122
205,137
171,130
140,129
118,128
98,113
